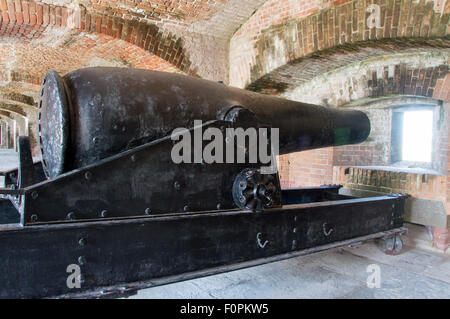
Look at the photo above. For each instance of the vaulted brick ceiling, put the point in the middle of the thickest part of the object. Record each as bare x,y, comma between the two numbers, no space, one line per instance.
214,39
182,36
178,31
176,35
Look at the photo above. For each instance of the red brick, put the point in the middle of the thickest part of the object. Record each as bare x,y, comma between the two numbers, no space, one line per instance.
64,16
45,14
40,14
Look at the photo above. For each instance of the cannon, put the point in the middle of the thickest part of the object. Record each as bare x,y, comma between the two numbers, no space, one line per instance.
110,199
94,113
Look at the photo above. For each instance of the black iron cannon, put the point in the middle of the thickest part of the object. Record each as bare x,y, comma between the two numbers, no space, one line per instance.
113,201
94,113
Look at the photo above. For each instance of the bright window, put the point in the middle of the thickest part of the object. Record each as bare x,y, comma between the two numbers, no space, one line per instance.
417,136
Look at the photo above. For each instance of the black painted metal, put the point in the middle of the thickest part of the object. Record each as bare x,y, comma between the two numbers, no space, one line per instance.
119,207
137,182
108,130
54,124
35,258
131,289
255,191
27,174
94,113
11,176
8,213
312,194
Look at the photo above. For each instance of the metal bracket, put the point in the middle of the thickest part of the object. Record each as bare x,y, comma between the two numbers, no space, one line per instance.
260,243
149,181
325,231
27,173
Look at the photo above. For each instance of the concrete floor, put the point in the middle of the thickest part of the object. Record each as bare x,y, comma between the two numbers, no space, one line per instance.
336,273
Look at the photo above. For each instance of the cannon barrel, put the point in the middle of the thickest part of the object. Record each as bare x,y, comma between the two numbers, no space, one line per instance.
93,113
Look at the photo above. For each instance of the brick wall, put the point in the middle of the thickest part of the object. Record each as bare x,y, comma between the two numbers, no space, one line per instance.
389,79
171,12
417,185
305,169
315,167
376,149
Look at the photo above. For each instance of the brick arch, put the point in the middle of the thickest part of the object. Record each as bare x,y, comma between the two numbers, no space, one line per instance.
384,77
282,31
19,108
13,110
7,141
30,20
368,69
17,97
25,111
6,114
30,61
20,121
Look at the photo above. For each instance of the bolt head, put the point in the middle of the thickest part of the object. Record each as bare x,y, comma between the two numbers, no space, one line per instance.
88,175
81,260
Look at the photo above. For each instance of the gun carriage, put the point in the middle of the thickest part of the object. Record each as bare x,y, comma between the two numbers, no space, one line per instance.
109,198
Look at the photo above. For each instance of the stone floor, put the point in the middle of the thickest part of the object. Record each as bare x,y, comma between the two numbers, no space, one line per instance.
336,273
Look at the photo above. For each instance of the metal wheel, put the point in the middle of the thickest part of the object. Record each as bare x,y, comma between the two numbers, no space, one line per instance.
391,245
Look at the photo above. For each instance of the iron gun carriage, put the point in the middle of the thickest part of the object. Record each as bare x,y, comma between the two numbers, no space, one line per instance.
109,197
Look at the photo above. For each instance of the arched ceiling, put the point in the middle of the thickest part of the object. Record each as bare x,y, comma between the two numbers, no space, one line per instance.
282,31
345,74
23,64
191,35
210,38
29,61
299,77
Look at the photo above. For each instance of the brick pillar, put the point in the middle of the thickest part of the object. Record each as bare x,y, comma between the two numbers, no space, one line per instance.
441,238
3,135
